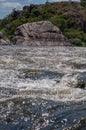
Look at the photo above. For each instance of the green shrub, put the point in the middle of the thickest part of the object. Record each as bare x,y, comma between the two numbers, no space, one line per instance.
60,22
35,12
73,33
76,42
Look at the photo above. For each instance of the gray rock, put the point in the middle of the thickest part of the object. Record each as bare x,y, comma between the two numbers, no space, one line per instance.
75,80
40,33
3,39
81,80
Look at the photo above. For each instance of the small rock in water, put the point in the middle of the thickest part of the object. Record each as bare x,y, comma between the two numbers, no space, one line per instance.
81,80
76,80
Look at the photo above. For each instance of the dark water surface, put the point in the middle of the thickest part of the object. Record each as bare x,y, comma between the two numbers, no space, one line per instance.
42,88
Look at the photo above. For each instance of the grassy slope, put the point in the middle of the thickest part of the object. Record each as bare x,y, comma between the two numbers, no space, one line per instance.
70,17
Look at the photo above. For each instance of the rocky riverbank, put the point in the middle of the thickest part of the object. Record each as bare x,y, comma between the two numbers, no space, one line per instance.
42,33
3,39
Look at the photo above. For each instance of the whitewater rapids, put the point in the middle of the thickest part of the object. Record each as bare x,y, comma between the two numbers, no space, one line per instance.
42,72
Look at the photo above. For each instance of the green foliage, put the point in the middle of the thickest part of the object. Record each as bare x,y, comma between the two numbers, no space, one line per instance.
35,12
60,22
77,37
26,14
76,41
73,33
70,17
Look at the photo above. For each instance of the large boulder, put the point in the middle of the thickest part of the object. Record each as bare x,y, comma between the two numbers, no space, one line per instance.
3,39
40,33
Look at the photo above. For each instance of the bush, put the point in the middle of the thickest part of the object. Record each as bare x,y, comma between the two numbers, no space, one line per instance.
60,22
73,33
35,12
76,42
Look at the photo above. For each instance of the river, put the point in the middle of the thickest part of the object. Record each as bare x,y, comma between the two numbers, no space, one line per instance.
42,88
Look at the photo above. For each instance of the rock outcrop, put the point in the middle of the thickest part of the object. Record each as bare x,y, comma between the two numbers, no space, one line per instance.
3,39
40,33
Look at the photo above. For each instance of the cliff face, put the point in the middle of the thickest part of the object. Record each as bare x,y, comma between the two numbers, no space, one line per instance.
3,39
40,33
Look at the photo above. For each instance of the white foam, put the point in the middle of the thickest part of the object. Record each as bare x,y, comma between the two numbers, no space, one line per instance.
54,59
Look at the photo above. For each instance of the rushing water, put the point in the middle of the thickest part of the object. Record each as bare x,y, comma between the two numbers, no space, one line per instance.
42,88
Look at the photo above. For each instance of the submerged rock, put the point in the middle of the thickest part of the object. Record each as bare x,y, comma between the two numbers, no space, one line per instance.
81,80
40,33
76,80
39,74
3,39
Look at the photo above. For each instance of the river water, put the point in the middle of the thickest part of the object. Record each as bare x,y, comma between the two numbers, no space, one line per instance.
42,88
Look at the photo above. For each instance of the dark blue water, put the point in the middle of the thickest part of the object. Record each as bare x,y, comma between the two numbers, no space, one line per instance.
39,114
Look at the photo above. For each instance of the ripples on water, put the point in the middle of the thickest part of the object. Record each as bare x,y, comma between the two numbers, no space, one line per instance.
42,88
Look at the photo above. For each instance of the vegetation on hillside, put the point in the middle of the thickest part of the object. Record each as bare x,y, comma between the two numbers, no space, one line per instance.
70,17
